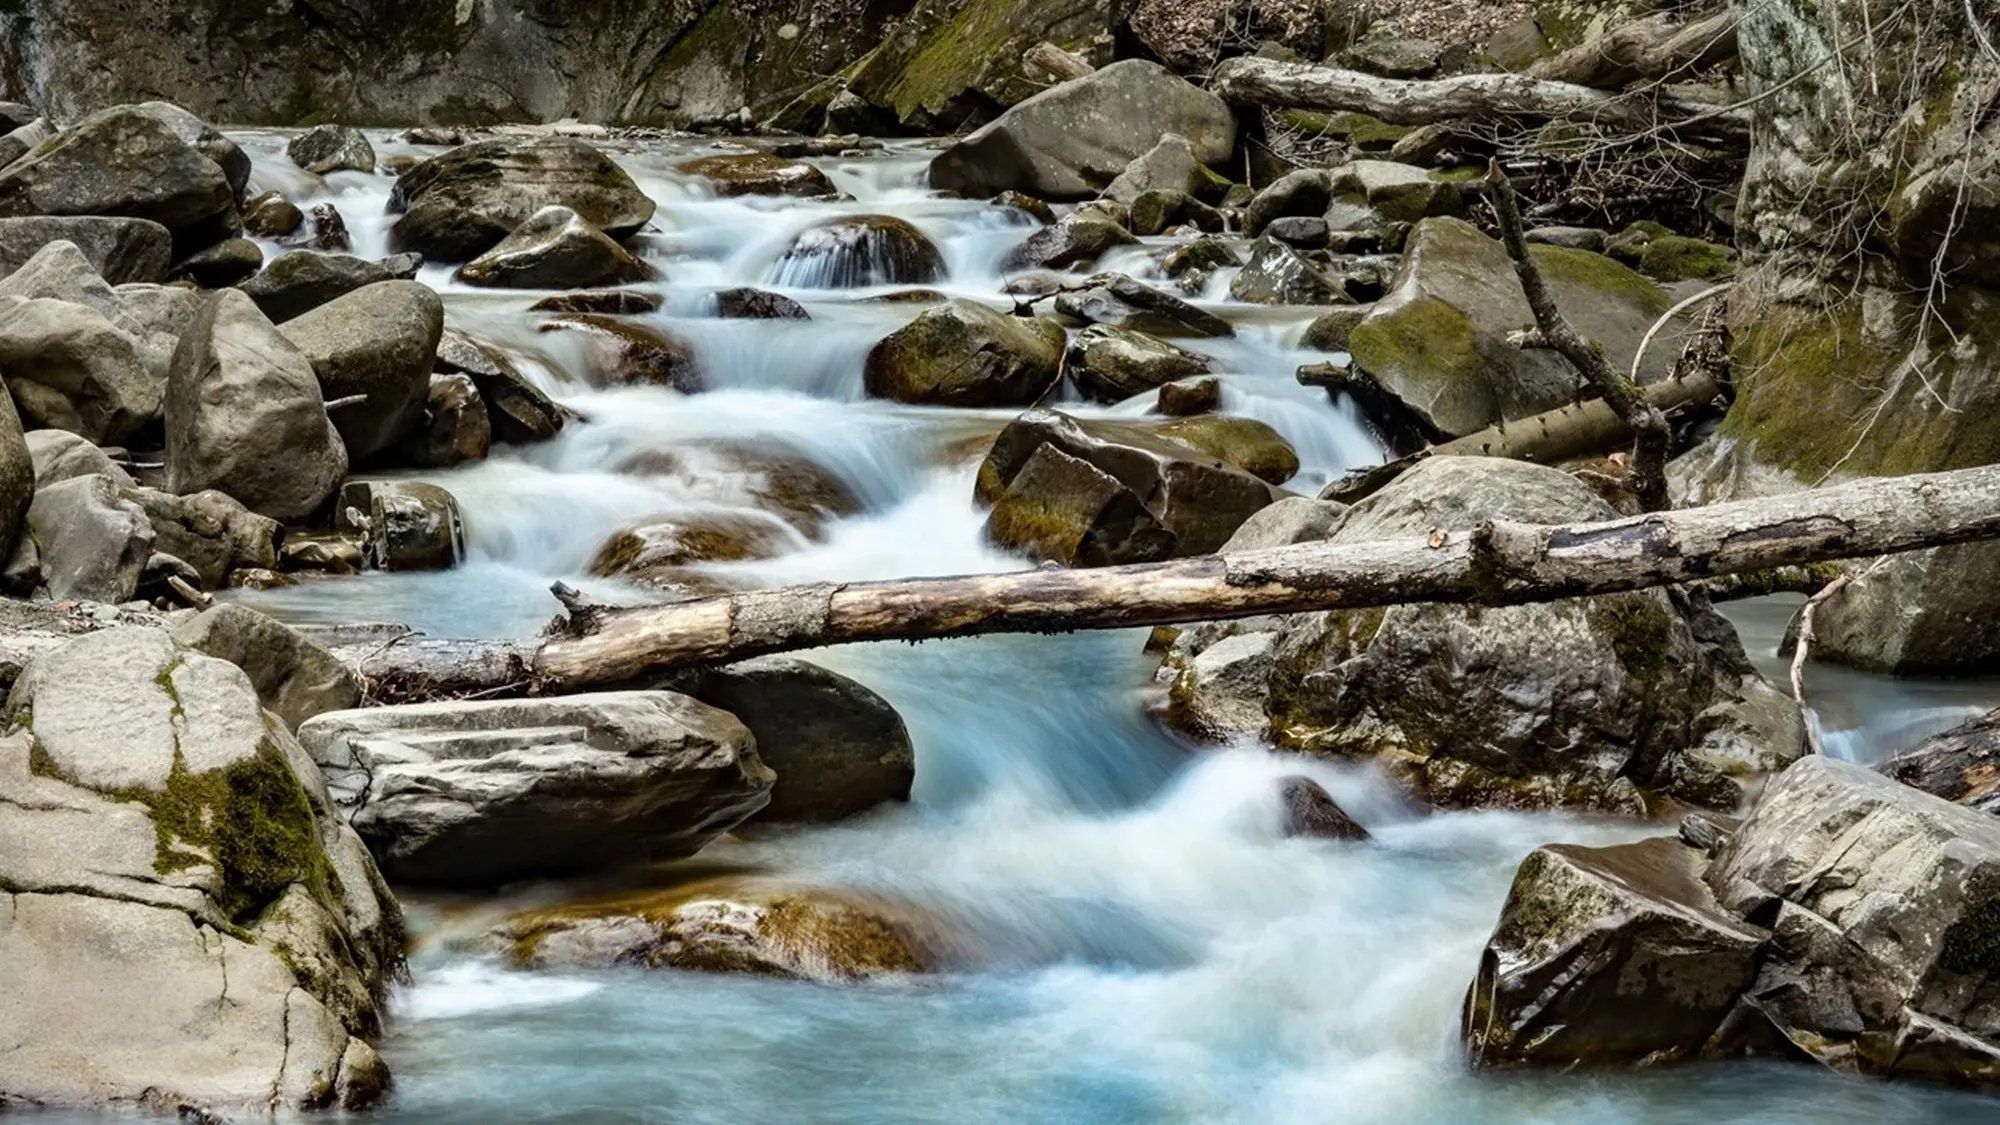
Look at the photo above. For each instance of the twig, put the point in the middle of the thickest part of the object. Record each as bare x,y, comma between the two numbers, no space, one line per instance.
188,593
1802,648
1667,317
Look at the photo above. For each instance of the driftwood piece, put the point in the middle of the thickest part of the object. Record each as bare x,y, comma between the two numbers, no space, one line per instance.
1646,476
1500,563
1516,98
1653,49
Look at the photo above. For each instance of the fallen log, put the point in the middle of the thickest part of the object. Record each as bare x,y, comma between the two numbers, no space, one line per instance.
1648,50
1499,563
1516,98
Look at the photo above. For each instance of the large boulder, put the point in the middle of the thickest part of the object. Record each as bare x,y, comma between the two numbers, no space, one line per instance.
838,748
1170,165
123,162
1076,239
93,544
1580,703
966,354
1188,501
457,206
1848,920
1934,612
121,250
476,795
1113,364
720,926
555,249
205,139
1071,141
299,281
332,148
858,251
69,368
379,341
1438,342
295,677
244,415
166,845
60,455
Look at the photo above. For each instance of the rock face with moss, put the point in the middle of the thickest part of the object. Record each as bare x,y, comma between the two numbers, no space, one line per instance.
965,354
1850,920
1438,343
479,794
1580,704
165,842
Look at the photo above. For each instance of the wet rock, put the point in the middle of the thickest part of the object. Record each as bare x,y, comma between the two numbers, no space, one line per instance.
321,552
852,252
603,302
555,249
1607,955
93,545
1246,443
1169,166
1299,232
1076,239
734,926
379,341
1185,490
70,368
221,265
656,554
1205,253
460,429
1962,765
1156,212
456,206
1310,811
332,148
172,848
295,677
518,410
214,534
1276,274
627,353
1186,398
412,525
1026,204
759,173
122,161
838,748
1072,140
769,478
757,304
205,139
120,250
244,415
1221,693
1574,238
1438,341
1331,330
1305,193
324,230
1397,192
436,136
1124,303
1062,509
1112,364
299,281
474,795
60,455
965,354
271,215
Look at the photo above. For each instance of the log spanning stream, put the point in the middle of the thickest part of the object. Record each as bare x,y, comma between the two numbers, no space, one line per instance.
1140,944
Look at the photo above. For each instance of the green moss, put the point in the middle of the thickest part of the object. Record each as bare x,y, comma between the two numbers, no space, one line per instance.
1367,133
1424,338
1972,946
252,820
1640,630
1672,257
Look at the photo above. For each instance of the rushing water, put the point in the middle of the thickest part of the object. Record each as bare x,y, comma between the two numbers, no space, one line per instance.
1141,944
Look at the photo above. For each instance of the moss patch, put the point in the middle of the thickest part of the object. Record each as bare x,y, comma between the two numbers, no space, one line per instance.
1673,257
1429,345
252,820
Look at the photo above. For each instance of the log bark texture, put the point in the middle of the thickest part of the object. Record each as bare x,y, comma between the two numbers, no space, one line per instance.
1648,50
1474,97
1499,563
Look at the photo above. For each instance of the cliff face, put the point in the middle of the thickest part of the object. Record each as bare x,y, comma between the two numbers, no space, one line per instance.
637,62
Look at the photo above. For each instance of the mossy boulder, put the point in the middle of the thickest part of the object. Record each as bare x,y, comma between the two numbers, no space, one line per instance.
1675,257
1397,192
1438,343
174,845
1579,703
1076,239
458,205
965,354
741,925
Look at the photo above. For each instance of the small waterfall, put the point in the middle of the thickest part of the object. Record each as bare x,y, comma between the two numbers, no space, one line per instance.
856,253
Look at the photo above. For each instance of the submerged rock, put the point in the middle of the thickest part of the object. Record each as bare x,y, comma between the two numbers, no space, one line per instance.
767,477
759,173
627,353
555,248
732,926
1311,811
603,302
244,415
1072,140
478,794
457,206
169,847
854,252
657,553
965,354
757,304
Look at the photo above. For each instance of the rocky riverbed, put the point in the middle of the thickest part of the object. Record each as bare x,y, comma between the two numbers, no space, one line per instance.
287,404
